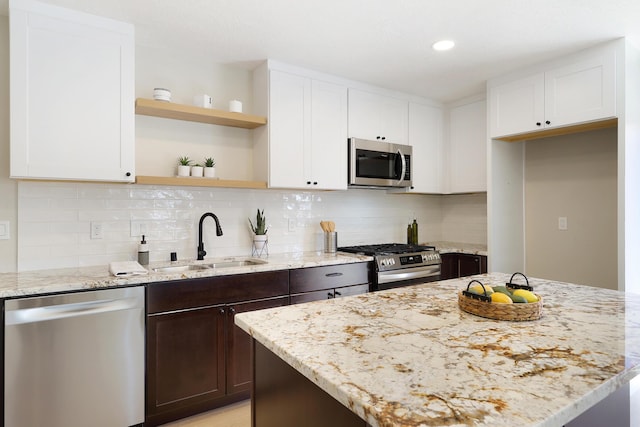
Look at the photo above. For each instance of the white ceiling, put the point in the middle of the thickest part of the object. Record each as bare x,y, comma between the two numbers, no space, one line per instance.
382,42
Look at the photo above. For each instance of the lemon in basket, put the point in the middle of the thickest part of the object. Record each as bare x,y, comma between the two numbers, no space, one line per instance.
529,296
500,298
478,290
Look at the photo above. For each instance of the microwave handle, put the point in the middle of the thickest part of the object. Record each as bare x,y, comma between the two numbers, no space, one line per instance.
404,166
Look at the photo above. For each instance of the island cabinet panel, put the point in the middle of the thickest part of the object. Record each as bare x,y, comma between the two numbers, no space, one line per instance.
456,265
276,385
197,359
316,283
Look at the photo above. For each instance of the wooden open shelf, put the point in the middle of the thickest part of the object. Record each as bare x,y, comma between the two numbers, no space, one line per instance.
169,110
198,182
566,130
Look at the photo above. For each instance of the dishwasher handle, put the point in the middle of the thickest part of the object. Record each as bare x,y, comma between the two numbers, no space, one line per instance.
63,311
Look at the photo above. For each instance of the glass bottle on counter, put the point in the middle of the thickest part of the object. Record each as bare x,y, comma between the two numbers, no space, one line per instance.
414,232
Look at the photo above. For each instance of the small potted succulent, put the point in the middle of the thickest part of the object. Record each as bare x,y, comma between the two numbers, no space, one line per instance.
184,166
196,170
259,232
209,167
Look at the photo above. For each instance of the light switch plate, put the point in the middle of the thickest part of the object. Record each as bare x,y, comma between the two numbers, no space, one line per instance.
562,223
4,230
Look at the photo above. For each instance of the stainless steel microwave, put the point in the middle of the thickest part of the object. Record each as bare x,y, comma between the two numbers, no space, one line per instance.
377,164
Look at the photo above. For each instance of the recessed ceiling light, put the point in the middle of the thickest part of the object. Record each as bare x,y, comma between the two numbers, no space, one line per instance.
443,45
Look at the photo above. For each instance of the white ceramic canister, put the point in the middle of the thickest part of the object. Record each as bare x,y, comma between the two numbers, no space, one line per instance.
161,94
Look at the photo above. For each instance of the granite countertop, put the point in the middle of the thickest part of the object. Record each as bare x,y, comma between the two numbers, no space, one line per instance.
459,247
32,283
411,357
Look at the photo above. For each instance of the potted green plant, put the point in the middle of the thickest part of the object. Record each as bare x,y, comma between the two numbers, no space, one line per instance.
259,233
209,167
184,166
196,170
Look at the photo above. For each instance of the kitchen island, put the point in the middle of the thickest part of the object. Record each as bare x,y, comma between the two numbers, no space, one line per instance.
411,357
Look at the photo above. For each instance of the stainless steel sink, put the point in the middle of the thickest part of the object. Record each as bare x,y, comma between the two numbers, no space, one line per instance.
181,268
240,263
197,267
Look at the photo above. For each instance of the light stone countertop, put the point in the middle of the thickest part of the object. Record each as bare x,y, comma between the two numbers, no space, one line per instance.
411,357
459,247
33,283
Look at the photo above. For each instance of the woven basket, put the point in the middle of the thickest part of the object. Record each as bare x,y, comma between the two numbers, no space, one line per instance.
515,312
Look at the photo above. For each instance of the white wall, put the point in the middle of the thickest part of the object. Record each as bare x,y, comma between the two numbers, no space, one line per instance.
464,218
8,187
572,176
159,142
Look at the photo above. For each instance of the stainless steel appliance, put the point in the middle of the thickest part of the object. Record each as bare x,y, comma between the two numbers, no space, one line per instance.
379,164
75,359
399,264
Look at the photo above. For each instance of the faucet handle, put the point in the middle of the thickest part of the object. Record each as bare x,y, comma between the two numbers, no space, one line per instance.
201,254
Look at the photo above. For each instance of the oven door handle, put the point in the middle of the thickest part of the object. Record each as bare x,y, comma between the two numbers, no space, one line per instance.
404,166
412,273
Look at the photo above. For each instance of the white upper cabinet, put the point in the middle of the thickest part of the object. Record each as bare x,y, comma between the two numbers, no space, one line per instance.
467,149
328,136
517,107
289,128
72,95
378,117
425,137
580,92
307,137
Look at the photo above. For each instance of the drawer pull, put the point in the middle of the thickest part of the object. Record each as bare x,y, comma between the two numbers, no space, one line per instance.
333,274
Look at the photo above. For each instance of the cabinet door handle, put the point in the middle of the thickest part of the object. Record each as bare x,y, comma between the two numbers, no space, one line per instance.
128,174
330,295
308,182
232,311
337,294
538,124
315,182
548,122
336,274
221,311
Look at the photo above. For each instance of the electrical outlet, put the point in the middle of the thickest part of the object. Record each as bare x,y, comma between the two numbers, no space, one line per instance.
562,223
292,225
96,230
4,230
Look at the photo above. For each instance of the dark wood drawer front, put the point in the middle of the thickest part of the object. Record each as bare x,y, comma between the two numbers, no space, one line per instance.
205,291
327,277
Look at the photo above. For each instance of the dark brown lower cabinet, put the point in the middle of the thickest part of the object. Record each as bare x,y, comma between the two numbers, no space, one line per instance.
239,345
318,283
284,397
456,265
197,358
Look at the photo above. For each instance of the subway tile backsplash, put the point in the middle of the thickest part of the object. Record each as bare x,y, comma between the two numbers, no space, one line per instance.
54,220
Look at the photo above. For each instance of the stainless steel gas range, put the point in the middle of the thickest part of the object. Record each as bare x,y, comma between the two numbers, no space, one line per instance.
399,264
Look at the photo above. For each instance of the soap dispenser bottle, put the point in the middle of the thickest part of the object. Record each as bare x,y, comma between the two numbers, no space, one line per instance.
143,252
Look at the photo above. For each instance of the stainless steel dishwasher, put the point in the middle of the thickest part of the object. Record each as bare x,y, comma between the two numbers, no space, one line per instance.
75,359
